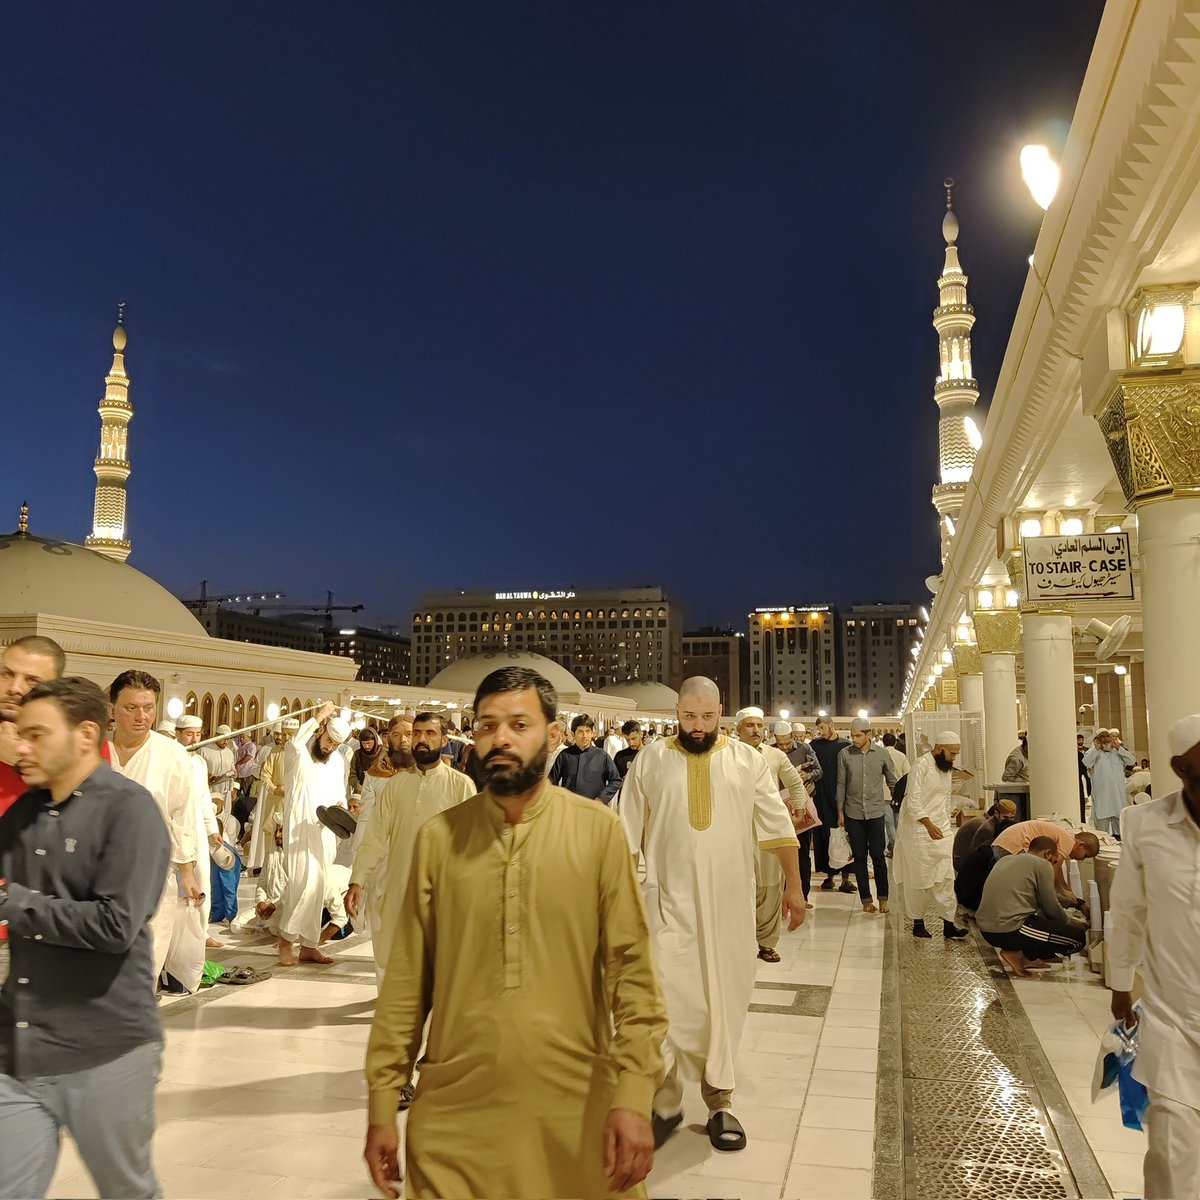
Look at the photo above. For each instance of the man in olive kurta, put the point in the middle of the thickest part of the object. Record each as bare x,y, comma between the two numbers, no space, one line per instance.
522,934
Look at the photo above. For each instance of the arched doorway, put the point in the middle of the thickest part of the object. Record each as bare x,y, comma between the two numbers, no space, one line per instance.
295,704
252,711
206,715
284,705
223,710
239,713
191,704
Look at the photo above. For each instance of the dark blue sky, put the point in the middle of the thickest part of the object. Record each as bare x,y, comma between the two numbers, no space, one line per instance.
516,295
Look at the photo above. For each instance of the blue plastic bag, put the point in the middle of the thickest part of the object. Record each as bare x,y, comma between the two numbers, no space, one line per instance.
1114,1068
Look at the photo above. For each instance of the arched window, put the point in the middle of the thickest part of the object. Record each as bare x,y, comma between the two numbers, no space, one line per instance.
239,712
206,714
284,705
252,717
191,704
223,710
308,704
295,703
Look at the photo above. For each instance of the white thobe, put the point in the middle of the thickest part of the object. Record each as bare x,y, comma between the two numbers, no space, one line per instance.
308,845
923,865
1155,906
699,821
164,769
1107,769
206,826
404,803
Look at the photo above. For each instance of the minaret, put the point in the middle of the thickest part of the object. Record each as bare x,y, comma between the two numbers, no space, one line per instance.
955,390
112,465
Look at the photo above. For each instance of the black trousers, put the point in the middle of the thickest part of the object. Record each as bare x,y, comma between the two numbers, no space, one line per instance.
806,843
869,837
1040,937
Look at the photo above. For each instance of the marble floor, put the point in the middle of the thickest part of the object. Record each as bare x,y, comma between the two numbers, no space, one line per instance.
262,1091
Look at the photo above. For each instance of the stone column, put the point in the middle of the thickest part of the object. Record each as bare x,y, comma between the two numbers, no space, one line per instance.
1152,428
970,689
998,635
1050,694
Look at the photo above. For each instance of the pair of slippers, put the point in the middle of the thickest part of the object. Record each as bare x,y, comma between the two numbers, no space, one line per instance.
724,1130
242,976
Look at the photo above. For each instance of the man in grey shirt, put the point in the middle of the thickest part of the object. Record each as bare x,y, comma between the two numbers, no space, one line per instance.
865,778
1020,914
83,854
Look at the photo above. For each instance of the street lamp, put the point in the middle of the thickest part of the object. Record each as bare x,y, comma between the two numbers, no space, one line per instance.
1041,174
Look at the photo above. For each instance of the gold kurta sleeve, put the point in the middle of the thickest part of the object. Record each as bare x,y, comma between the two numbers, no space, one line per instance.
406,996
638,1009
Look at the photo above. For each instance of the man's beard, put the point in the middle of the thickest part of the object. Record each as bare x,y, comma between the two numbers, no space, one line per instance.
1025,747
508,779
944,764
319,752
700,743
401,759
424,756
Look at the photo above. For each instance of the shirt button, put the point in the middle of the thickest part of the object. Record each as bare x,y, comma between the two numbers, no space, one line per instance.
37,937
41,852
22,980
22,1024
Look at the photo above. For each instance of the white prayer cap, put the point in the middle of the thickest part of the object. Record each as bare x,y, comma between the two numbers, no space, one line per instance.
1184,734
744,714
188,722
278,728
290,724
799,727
223,731
781,729
338,729
947,738
862,725
167,727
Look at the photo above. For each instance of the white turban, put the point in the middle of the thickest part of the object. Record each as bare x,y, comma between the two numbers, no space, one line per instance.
338,729
746,713
224,731
1184,734
781,729
188,722
167,727
947,738
290,724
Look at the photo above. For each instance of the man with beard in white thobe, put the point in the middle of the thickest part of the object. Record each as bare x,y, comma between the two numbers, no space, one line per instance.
924,861
699,807
162,767
315,774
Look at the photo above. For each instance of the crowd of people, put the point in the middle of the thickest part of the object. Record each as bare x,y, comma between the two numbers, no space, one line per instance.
565,929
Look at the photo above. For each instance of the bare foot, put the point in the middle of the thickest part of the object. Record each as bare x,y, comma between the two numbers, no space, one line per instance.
1014,961
287,956
213,944
870,908
328,932
313,955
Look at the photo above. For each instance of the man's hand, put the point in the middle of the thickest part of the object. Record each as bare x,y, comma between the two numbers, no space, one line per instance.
931,829
841,820
188,885
1122,1008
795,909
383,1157
265,909
628,1148
325,711
214,840
353,899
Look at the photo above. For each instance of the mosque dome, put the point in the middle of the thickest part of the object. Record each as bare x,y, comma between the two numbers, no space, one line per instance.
39,575
648,695
466,674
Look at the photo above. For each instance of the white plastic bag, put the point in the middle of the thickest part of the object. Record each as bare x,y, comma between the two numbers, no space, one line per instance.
840,854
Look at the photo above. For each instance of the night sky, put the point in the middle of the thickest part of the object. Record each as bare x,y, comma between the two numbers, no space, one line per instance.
513,295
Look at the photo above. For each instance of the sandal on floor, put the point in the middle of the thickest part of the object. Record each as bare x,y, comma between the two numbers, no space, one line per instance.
767,954
725,1131
243,976
664,1127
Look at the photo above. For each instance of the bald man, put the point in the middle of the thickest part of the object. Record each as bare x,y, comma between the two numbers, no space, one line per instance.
699,807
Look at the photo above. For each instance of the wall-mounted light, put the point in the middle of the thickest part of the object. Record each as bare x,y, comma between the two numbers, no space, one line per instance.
1120,669
1031,527
1158,320
987,599
974,437
1041,174
1070,526
1089,679
174,708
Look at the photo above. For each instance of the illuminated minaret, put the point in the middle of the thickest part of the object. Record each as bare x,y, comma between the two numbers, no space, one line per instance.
112,465
955,390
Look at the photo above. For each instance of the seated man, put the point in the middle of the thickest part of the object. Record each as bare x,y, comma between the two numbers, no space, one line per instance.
982,831
1018,837
1020,914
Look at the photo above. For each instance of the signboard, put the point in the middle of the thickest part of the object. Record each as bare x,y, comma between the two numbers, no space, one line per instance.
535,595
791,608
1086,566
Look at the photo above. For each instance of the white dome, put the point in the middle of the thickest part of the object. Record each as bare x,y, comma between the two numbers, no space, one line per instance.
61,579
648,695
466,674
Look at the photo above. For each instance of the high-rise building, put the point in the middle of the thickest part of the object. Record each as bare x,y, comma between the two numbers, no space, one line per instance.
603,637
955,390
794,663
718,654
381,657
877,642
109,535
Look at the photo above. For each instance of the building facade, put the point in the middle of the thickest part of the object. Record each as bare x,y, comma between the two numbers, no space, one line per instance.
718,655
876,651
381,657
602,636
794,660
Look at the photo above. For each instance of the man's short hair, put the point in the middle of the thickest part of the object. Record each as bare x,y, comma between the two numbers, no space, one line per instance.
583,721
1090,843
43,647
630,727
431,716
519,679
1040,845
396,720
139,681
76,698
889,739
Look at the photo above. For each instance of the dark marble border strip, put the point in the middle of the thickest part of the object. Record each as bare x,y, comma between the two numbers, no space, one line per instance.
888,1175
1077,1151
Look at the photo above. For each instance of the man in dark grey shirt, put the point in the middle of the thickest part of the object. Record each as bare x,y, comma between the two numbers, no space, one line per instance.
865,778
83,854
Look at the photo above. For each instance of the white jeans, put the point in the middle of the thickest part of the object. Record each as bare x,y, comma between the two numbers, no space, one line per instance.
1172,1167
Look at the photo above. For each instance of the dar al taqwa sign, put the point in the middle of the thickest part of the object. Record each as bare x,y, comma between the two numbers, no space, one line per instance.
1087,566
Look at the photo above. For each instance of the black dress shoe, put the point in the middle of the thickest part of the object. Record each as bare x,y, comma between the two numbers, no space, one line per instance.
919,930
847,886
827,886
950,930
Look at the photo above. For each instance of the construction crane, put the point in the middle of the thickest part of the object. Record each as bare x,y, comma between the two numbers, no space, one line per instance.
283,611
205,599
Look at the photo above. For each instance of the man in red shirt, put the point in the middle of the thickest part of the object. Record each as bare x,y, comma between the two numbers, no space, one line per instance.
25,663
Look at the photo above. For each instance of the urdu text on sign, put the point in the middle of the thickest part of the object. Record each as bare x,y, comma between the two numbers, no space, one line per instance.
1086,566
